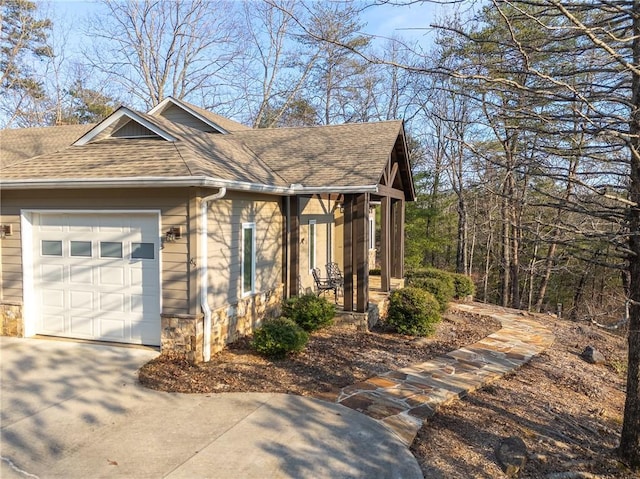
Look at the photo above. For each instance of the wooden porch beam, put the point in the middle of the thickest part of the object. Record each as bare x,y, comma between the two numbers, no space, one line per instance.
361,220
347,251
398,239
392,175
385,244
391,192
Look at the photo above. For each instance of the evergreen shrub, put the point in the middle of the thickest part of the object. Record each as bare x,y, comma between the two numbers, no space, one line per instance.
443,291
413,311
310,312
278,337
463,285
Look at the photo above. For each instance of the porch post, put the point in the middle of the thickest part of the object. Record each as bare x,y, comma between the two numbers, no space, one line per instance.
348,252
385,244
294,246
362,251
398,239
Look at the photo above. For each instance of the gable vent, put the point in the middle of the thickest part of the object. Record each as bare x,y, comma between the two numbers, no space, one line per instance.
133,129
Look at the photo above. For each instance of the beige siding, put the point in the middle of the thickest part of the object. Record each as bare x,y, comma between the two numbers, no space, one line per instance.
226,217
171,202
133,130
178,115
322,211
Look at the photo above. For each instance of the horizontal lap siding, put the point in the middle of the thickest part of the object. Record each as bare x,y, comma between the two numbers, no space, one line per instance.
320,210
226,217
171,202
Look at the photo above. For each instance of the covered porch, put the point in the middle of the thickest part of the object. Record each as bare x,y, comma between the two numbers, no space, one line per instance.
339,226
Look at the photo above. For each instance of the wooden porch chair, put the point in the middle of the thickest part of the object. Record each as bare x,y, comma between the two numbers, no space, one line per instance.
324,284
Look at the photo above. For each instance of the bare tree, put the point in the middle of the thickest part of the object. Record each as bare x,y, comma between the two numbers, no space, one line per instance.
154,49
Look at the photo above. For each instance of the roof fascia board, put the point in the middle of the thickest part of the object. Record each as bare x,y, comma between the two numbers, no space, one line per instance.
408,164
114,117
185,181
161,106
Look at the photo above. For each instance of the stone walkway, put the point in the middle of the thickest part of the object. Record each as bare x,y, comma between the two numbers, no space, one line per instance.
404,399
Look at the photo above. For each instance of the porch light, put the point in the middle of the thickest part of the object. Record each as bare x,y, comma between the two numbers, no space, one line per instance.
172,234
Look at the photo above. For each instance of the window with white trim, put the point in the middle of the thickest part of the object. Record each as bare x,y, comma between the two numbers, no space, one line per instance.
312,244
248,265
372,232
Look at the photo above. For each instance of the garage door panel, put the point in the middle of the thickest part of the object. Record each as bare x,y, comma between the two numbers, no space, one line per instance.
81,274
52,273
145,331
142,277
53,298
147,304
81,300
110,275
101,277
82,326
112,302
53,323
113,328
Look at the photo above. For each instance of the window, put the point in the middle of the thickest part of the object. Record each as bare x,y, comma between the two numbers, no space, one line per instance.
81,248
51,248
312,244
142,250
248,258
110,249
372,232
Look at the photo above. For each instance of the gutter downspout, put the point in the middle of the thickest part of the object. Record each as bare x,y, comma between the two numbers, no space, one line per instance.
204,269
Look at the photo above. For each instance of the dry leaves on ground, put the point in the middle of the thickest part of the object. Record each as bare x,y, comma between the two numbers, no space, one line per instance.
568,412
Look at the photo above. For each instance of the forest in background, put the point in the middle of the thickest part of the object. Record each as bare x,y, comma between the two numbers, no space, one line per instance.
488,173
523,120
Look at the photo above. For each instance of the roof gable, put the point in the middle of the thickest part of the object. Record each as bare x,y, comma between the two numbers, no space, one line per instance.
184,114
120,119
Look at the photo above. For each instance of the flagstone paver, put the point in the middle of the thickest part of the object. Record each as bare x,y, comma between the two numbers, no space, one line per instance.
406,398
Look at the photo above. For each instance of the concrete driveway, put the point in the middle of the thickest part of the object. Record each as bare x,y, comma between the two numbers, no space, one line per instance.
75,410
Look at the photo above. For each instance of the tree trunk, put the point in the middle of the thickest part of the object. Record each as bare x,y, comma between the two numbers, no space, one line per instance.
461,251
630,438
548,264
506,257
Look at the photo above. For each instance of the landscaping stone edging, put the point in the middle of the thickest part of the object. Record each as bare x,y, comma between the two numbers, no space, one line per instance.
404,399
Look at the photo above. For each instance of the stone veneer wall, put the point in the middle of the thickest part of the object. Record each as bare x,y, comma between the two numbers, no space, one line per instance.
365,321
182,335
11,319
232,322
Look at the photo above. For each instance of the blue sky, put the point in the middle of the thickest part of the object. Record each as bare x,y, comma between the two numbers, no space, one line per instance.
409,21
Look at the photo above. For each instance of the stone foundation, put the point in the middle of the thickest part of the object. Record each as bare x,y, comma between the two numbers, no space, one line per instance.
235,321
182,334
11,319
365,321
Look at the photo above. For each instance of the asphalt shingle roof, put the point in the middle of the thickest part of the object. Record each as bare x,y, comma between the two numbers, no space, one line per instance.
350,155
23,143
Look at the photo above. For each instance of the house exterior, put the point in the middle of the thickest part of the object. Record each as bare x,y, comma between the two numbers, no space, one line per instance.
182,229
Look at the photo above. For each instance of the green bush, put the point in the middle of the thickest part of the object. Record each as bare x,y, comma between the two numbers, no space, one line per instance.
278,337
374,272
420,273
309,311
463,286
443,291
413,311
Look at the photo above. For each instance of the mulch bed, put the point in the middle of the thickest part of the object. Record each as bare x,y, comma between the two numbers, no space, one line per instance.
334,358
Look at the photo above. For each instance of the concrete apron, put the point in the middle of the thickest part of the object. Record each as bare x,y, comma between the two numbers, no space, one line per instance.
74,410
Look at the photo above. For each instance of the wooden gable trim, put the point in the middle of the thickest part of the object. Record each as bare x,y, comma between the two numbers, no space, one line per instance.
122,112
396,175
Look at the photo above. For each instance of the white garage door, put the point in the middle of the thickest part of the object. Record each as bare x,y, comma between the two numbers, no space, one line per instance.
97,276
